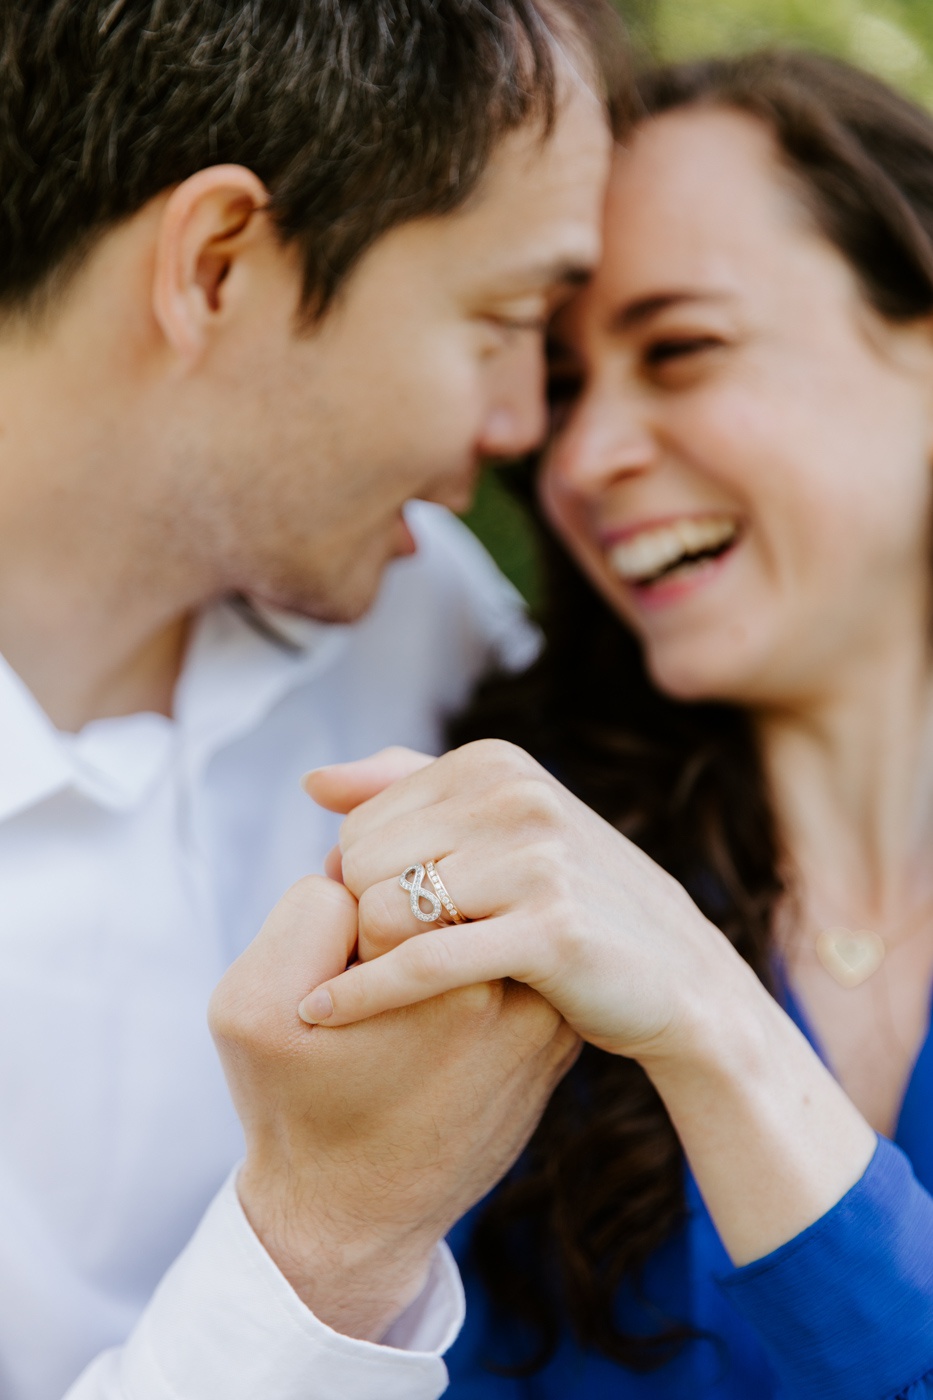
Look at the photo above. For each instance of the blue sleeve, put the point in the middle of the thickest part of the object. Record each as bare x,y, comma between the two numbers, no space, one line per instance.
846,1308
467,1361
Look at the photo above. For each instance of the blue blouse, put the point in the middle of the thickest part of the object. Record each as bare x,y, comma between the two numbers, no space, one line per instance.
842,1312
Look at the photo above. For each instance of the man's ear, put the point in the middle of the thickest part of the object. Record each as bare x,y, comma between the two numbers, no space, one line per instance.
208,222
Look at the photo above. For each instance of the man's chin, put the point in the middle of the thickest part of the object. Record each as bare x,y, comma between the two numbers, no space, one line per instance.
346,587
339,605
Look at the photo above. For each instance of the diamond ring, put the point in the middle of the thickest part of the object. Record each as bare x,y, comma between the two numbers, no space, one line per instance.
412,880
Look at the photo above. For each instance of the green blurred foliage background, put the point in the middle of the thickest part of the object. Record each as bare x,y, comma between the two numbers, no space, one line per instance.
892,38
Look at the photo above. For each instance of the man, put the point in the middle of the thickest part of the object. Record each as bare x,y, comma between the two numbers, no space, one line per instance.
270,272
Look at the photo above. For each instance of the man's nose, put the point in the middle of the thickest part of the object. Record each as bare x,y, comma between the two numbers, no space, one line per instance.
516,416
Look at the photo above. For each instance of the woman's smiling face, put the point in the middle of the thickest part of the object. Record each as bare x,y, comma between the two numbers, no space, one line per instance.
742,453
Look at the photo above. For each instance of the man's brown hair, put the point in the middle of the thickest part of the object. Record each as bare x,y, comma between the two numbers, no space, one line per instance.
356,114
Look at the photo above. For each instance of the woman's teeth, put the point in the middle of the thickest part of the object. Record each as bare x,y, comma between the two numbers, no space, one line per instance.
652,553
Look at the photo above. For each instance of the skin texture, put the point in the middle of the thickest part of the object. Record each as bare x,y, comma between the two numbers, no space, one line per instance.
173,431
722,363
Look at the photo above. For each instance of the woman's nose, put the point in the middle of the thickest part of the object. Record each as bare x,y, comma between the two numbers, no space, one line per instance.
604,438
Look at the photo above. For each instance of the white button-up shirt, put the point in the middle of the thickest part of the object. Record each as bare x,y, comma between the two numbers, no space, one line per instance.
137,859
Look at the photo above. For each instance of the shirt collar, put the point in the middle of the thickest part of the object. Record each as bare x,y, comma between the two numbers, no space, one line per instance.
33,761
241,661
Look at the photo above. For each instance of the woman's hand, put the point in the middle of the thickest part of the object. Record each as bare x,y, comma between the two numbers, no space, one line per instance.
559,899
567,905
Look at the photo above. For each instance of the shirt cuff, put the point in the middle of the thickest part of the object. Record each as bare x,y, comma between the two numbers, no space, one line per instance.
225,1321
846,1307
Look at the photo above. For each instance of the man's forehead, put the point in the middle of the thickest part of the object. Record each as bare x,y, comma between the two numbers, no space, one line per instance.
533,223
547,166
537,215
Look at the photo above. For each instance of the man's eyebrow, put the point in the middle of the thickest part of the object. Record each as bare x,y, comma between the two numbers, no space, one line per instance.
634,313
562,272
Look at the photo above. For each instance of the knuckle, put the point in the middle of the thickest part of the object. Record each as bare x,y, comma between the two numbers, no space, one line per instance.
379,930
496,751
480,1002
310,894
530,801
563,901
237,1021
564,932
543,867
546,801
492,756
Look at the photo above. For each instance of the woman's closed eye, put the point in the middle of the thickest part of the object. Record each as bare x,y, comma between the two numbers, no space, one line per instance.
672,351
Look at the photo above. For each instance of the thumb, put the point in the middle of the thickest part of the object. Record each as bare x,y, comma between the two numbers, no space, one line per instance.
342,786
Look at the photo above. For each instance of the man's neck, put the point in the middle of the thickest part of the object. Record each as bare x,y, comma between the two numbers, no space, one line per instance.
75,685
93,608
94,599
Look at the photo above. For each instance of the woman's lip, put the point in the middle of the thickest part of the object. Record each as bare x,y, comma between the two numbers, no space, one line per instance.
652,597
618,534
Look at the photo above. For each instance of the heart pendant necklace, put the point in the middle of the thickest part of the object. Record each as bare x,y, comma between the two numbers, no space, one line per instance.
850,956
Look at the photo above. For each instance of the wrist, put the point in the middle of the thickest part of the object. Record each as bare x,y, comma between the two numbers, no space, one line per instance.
720,1024
771,1137
355,1277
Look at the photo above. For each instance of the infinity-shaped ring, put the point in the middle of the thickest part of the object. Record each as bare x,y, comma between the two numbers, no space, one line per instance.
412,880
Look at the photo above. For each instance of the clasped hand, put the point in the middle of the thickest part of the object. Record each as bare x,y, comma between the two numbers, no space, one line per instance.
557,899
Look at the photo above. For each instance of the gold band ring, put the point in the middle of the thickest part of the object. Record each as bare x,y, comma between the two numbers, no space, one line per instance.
443,894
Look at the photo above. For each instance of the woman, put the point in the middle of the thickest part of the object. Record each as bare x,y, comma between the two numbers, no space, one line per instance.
739,679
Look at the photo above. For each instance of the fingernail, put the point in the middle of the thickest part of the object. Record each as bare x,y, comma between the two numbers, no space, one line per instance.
316,1007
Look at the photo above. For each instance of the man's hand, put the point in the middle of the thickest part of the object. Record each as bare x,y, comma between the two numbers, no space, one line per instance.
365,1144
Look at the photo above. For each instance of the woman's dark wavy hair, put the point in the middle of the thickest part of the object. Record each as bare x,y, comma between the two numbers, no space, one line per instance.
602,1184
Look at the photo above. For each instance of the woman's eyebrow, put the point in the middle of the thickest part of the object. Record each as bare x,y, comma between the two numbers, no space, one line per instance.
634,313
